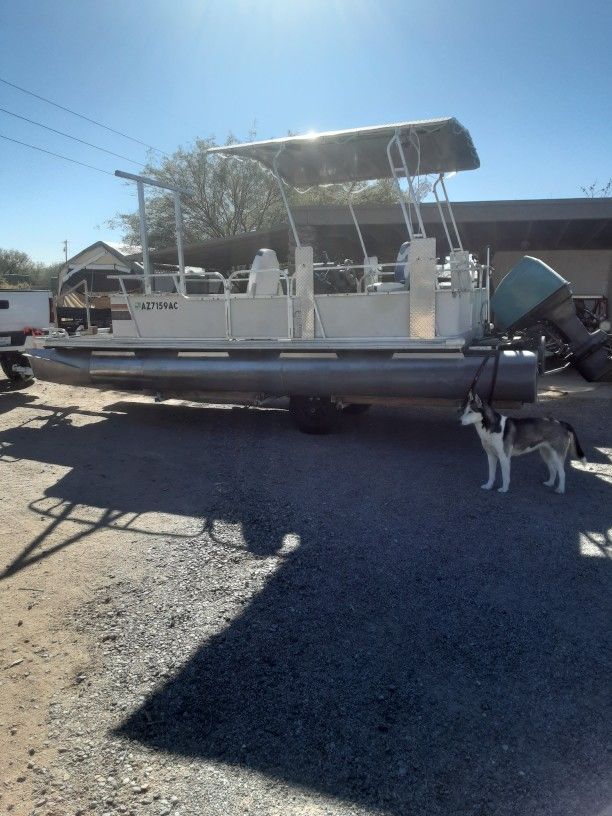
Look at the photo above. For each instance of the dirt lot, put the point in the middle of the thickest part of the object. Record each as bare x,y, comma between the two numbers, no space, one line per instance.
206,612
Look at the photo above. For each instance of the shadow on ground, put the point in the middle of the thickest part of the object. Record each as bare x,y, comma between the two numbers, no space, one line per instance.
427,648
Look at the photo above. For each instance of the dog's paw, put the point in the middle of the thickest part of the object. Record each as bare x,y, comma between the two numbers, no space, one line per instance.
486,486
548,483
560,491
502,489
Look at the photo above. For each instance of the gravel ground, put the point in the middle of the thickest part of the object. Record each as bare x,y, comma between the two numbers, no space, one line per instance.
285,624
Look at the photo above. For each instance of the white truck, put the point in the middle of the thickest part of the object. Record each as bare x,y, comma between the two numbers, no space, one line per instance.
24,314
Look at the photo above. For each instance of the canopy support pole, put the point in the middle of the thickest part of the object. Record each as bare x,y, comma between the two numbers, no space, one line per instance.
440,210
412,199
178,217
281,187
398,189
356,223
450,212
144,239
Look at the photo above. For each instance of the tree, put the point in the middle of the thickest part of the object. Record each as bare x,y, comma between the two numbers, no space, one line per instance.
44,276
593,191
15,266
19,271
228,196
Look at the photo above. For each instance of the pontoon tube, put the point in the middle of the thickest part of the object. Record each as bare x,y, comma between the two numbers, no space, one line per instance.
440,377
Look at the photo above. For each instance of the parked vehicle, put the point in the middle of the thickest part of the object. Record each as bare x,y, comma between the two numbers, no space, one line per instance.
24,313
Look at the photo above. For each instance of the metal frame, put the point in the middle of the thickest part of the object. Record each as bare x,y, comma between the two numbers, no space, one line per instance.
364,266
356,223
488,284
83,283
397,172
144,240
281,187
396,344
451,246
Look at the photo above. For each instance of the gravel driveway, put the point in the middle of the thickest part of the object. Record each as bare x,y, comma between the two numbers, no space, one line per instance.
288,624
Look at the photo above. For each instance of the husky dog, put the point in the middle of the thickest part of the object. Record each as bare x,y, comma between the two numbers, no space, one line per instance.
503,438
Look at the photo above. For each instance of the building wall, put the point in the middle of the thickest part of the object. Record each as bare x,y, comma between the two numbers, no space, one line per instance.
589,271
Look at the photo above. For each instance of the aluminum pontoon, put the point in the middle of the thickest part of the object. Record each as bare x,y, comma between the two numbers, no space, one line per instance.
417,329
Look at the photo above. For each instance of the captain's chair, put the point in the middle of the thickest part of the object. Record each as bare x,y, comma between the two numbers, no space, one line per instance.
264,275
401,273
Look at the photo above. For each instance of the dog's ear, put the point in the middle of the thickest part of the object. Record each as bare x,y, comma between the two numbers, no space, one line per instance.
476,400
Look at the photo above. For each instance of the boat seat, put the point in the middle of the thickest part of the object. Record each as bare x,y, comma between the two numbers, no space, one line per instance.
402,265
391,286
264,282
264,275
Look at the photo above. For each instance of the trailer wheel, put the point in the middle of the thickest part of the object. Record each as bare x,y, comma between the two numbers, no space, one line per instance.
8,361
314,415
356,408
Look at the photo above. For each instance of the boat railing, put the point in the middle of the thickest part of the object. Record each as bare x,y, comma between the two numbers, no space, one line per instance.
226,294
478,273
242,276
361,282
238,276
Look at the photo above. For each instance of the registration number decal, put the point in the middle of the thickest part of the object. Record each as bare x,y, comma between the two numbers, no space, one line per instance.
147,305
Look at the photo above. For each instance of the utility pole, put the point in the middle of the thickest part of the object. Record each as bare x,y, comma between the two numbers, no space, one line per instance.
66,250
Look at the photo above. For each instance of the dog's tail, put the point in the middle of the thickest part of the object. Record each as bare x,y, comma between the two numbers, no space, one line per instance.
577,451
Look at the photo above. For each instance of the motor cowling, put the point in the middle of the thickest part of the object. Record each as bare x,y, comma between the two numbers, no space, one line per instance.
532,292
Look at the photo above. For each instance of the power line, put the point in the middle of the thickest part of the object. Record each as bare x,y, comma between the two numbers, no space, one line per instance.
57,155
80,115
68,136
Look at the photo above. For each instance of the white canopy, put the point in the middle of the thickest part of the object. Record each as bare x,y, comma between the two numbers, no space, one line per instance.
430,146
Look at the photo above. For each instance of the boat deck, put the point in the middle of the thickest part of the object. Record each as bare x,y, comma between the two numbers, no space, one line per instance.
109,343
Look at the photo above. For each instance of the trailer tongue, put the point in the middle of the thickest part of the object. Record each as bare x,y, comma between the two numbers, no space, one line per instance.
416,328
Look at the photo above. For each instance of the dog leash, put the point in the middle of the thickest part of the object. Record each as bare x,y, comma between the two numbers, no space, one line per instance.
494,377
496,354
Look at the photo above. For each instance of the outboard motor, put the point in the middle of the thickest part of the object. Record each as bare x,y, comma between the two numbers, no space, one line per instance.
532,292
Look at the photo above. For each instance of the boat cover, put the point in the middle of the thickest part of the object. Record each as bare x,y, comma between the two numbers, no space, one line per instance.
430,146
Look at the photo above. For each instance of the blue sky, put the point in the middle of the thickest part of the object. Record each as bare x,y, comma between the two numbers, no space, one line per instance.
531,80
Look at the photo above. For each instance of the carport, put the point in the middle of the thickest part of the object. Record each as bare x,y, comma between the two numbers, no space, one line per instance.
573,235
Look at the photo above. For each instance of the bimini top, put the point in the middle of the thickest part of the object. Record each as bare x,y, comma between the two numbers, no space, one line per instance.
430,146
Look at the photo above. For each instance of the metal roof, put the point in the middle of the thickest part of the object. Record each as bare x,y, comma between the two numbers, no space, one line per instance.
536,224
124,257
360,154
225,253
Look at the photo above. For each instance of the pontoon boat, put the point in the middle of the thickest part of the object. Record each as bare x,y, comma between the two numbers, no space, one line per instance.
414,330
